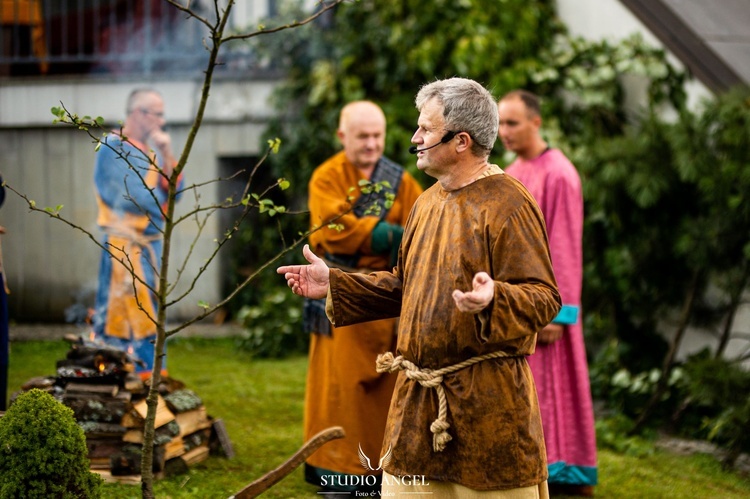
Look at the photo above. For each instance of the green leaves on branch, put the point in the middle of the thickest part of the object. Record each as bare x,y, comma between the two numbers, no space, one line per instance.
83,123
368,192
59,112
55,212
265,205
368,188
274,145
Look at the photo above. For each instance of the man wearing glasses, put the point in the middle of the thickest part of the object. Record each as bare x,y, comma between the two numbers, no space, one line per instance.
131,178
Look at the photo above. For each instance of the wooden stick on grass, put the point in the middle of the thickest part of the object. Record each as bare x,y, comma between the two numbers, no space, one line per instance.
272,477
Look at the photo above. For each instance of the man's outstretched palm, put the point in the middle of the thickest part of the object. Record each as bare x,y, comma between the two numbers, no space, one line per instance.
481,294
310,281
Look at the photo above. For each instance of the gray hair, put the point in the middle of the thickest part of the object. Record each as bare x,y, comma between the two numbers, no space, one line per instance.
467,107
135,97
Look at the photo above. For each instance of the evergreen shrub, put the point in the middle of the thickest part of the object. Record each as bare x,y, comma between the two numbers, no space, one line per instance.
43,451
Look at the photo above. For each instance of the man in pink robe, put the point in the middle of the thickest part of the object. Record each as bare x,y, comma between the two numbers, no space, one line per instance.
559,365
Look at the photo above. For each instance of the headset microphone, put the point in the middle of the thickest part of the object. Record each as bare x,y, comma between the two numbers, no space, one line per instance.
446,138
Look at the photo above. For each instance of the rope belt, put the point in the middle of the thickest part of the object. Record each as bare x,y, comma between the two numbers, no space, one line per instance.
430,378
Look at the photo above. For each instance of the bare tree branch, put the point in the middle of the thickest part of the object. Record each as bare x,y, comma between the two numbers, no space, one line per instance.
325,8
191,13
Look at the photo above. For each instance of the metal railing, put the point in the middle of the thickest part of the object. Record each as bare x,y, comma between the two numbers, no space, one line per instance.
144,37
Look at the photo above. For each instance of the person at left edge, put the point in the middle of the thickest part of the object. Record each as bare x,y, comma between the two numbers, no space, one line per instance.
131,188
343,388
4,332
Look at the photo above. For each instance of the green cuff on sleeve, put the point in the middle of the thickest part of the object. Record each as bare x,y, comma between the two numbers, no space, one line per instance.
385,237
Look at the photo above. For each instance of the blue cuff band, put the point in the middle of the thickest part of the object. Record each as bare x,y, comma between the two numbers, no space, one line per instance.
568,315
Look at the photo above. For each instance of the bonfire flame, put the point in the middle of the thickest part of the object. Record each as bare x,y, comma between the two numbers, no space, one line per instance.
100,364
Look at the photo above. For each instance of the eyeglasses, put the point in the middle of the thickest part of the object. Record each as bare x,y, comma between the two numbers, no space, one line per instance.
146,111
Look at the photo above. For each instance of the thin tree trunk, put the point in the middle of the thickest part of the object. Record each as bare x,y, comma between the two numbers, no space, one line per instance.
666,369
147,459
736,299
216,40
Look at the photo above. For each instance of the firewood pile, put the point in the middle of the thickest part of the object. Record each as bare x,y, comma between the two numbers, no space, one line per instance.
98,382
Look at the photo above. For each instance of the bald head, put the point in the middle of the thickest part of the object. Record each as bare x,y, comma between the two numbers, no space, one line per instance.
362,133
361,111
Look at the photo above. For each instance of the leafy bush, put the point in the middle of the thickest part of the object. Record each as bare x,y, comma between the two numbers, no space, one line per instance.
626,392
716,402
358,53
701,401
43,451
667,244
615,433
274,327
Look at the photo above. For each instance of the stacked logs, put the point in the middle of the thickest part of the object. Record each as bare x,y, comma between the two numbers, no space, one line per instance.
108,399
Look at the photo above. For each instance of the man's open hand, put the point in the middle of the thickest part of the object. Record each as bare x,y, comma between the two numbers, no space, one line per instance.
482,293
310,281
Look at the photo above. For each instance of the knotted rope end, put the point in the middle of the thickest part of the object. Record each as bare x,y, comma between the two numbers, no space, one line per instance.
386,363
440,437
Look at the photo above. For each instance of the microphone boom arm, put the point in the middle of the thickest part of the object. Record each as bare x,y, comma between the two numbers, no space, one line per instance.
446,138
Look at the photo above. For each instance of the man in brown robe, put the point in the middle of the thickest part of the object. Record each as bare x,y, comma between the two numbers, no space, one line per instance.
464,418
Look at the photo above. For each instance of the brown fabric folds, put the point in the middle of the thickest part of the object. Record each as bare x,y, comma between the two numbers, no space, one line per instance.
492,225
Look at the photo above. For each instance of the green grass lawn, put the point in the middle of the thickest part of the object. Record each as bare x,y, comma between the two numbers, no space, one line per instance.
261,403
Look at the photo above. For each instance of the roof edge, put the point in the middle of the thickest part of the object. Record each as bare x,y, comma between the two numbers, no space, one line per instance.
685,44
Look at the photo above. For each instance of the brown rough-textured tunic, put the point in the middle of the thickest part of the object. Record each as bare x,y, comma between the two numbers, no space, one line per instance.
491,225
